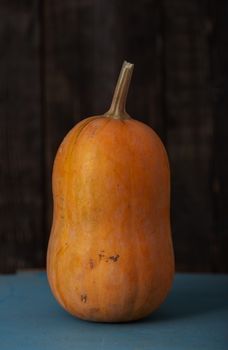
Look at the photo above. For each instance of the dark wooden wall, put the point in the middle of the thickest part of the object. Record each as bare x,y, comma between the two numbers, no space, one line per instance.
59,61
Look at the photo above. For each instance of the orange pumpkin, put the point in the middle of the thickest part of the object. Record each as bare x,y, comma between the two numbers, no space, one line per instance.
110,255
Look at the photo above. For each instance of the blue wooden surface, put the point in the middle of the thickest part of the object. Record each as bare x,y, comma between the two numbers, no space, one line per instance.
195,316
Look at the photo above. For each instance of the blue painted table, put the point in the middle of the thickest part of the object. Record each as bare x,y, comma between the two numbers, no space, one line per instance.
195,316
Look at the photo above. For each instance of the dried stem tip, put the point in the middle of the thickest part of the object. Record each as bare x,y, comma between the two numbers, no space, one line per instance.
117,109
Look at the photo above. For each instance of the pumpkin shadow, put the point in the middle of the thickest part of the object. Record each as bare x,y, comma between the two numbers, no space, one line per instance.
188,303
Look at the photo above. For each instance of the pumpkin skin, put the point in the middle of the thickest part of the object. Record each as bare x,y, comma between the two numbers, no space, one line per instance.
110,254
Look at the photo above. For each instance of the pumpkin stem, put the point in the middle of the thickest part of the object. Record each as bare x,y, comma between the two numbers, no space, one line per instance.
117,109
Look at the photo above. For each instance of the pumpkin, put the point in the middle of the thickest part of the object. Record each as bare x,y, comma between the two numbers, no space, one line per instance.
110,255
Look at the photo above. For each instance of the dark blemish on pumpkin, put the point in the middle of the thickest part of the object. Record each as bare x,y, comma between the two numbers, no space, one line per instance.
84,298
91,263
114,258
101,256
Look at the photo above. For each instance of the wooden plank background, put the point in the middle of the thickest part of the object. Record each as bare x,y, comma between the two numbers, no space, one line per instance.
21,193
59,61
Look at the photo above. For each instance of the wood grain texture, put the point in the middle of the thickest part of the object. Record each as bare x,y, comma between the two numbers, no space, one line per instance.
189,131
219,63
21,231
